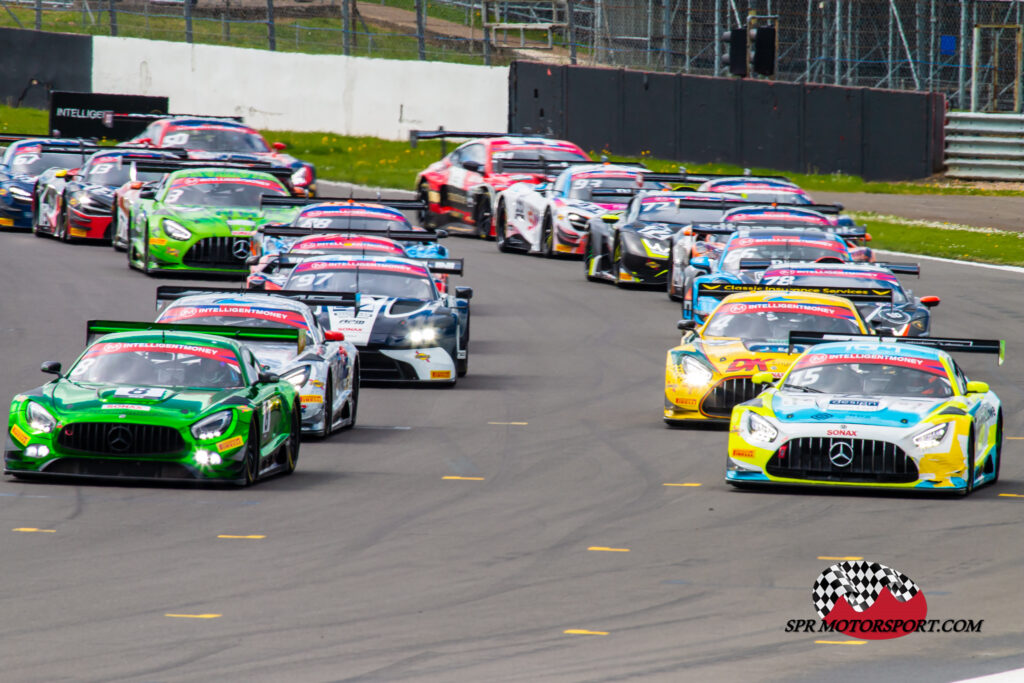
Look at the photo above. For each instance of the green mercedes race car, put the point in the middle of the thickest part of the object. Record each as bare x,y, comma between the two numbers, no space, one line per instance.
201,219
159,401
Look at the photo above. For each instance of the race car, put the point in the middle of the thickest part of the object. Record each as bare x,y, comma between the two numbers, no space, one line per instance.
200,219
271,271
224,139
405,330
553,218
24,160
463,185
158,401
754,188
635,247
748,332
79,203
750,248
323,367
904,316
865,411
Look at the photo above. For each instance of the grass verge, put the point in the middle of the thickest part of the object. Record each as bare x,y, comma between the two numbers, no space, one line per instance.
946,240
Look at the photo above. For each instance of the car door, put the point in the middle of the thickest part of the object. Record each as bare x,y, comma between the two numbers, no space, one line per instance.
461,179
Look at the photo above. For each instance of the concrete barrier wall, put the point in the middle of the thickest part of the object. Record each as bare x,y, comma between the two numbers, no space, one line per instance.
291,91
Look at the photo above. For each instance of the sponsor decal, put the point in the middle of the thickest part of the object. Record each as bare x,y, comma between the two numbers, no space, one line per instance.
440,374
743,452
423,356
933,366
289,318
222,355
145,393
158,241
125,406
748,364
78,232
841,432
8,222
311,398
19,435
75,113
233,442
218,180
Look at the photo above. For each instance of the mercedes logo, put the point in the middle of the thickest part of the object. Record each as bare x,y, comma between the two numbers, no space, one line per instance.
119,439
841,453
240,249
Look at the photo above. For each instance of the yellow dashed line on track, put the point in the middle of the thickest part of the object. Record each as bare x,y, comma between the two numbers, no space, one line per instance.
608,550
841,642
583,632
194,616
33,530
688,483
839,559
1016,438
1011,495
253,536
517,424
454,478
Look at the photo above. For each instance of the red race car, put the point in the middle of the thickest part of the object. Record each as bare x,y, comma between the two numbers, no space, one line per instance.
463,185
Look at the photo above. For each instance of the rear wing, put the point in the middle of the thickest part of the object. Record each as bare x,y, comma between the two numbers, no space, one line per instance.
111,118
282,173
950,344
901,268
402,204
765,264
18,137
704,177
720,290
447,266
541,166
400,235
97,328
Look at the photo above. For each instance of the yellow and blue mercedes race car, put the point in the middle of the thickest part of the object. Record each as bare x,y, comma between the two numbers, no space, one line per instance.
868,411
748,332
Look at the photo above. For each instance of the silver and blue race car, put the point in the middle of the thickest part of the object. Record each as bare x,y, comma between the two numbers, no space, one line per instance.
862,411
324,368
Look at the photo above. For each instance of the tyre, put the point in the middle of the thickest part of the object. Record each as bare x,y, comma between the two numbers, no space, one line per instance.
500,226
588,257
62,230
999,448
969,475
547,237
354,401
482,216
251,464
113,232
671,277
290,449
328,409
423,195
617,263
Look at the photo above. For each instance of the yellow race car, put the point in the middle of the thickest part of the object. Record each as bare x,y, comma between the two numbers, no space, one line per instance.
747,333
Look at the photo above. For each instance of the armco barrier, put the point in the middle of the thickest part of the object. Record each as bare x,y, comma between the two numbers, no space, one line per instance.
808,128
985,146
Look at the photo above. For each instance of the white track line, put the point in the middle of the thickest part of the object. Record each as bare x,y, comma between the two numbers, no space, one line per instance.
1004,677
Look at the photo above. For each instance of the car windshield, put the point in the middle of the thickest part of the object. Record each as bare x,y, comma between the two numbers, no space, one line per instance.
872,378
898,296
216,140
780,252
34,163
772,196
535,154
145,364
364,280
775,320
343,222
114,174
237,315
668,212
614,190
213,192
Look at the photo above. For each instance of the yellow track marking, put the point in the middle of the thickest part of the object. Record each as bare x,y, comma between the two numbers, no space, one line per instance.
1011,495
33,530
608,550
518,424
464,478
839,559
841,642
194,616
688,483
1016,438
583,632
253,536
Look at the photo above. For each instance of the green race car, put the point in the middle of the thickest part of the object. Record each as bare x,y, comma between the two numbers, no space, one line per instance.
201,219
159,401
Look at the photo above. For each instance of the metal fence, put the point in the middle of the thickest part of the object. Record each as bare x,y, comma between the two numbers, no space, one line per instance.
970,50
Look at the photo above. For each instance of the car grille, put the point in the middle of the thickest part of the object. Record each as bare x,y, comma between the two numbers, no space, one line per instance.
218,252
842,459
374,366
719,401
120,439
138,469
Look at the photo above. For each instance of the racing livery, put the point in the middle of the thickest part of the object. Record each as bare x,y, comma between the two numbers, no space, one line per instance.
79,203
553,218
323,367
150,401
870,412
211,138
464,185
24,160
905,315
761,189
200,220
711,370
822,216
405,330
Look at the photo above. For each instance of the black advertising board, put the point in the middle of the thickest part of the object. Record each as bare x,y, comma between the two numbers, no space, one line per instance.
89,115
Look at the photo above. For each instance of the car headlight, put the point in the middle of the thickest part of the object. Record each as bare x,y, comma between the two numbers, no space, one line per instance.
697,374
656,248
176,230
19,193
39,418
213,426
578,221
422,335
297,377
80,198
758,428
932,437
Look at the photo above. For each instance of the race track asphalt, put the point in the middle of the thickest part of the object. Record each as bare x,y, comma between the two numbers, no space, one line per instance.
372,566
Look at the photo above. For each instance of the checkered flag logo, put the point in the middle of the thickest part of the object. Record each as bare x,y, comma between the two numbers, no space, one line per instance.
860,583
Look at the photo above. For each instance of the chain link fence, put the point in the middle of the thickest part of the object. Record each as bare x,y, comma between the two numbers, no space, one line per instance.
970,50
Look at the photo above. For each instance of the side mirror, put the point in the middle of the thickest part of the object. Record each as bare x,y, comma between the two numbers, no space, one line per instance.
610,217
51,367
867,237
257,282
441,234
687,325
147,193
930,301
61,173
268,378
279,146
143,141
762,378
252,260
334,335
701,263
463,292
977,387
136,184
473,166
